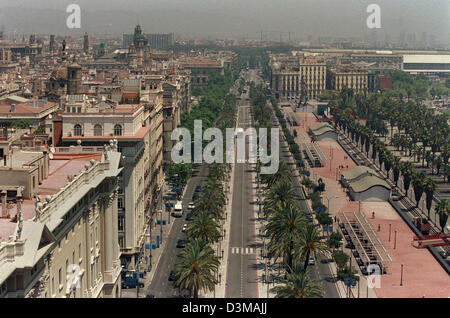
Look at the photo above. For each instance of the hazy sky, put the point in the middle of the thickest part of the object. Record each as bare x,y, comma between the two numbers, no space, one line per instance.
237,18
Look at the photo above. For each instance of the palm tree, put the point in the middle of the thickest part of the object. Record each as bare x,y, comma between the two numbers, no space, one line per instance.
204,227
284,228
298,284
280,192
406,169
443,209
197,268
418,186
310,241
283,174
429,187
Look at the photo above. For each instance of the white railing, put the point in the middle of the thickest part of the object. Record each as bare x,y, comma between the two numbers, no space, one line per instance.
10,250
85,177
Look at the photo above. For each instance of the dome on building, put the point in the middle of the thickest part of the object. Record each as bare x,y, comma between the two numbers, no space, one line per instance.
276,66
60,72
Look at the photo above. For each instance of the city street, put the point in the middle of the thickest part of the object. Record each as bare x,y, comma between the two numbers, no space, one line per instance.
160,285
242,260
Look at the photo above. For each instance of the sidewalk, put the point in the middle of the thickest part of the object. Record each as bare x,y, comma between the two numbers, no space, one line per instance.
156,253
219,291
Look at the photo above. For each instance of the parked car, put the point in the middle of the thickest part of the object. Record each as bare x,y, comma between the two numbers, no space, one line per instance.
188,216
150,296
311,260
181,243
184,228
191,205
172,276
198,189
130,282
195,196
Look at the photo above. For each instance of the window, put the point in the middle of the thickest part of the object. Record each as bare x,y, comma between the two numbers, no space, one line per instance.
120,203
60,276
77,131
98,131
78,109
121,222
117,130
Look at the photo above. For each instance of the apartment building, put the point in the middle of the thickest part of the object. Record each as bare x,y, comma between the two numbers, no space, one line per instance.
63,242
292,77
348,76
138,128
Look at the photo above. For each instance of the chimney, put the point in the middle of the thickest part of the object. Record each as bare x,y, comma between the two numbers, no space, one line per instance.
13,108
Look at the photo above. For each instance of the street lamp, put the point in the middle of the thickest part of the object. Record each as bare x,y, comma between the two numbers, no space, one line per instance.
359,277
401,276
160,223
395,238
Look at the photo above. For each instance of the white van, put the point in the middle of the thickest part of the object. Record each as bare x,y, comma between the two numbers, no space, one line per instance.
178,210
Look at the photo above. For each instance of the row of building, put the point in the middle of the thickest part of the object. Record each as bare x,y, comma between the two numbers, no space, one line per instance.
84,138
305,74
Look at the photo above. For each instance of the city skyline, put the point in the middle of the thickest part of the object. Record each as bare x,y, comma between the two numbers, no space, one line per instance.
266,19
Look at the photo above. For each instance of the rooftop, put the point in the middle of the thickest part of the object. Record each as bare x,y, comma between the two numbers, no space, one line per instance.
368,182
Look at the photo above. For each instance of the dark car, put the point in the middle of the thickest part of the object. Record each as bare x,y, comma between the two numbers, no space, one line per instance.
195,196
188,216
150,296
198,189
172,276
181,243
131,283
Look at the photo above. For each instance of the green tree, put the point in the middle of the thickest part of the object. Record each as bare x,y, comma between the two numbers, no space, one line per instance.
334,240
284,229
204,227
443,210
310,241
341,260
298,284
21,124
197,268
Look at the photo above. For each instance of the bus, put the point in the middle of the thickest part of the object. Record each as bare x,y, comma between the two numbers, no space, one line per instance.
178,209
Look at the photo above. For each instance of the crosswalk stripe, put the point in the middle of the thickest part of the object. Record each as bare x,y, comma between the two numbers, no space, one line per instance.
242,250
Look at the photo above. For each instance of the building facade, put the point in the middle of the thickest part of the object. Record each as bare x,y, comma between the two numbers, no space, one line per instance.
297,77
350,77
65,243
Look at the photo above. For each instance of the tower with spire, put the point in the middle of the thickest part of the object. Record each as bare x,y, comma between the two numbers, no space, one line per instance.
86,43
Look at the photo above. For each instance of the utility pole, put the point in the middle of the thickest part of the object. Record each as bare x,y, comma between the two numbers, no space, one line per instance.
160,223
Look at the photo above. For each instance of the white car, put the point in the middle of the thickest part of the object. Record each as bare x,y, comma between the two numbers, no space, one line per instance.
184,228
191,205
311,260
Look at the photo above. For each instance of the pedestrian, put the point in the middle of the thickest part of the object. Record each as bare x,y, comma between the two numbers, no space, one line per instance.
373,214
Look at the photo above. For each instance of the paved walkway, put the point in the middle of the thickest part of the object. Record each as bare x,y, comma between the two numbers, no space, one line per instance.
156,253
